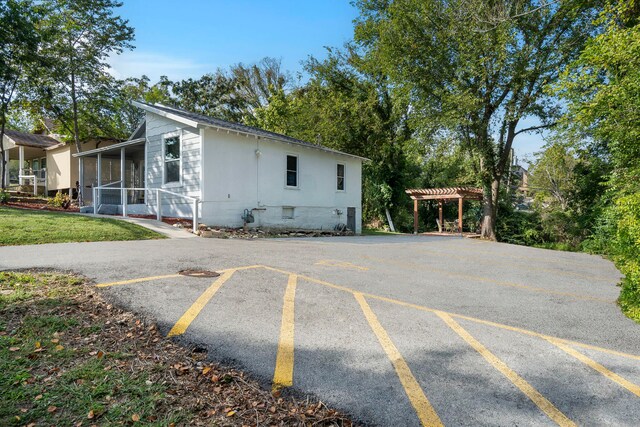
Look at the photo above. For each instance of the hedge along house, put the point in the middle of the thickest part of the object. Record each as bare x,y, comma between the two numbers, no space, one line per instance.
178,162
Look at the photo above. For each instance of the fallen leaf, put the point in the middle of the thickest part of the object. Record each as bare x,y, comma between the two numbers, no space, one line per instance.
14,348
38,397
24,410
38,345
55,341
52,409
215,379
206,370
59,347
135,417
231,413
99,355
272,409
91,414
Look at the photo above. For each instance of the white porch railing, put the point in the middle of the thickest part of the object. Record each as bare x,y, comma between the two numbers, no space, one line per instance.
37,176
97,202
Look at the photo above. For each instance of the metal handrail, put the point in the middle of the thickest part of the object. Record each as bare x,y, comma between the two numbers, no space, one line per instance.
159,191
193,200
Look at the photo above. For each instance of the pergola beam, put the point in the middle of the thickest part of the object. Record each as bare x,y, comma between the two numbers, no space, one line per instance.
443,195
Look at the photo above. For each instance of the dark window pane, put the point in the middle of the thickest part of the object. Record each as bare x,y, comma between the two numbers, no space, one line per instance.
292,163
172,171
172,148
340,183
292,179
341,171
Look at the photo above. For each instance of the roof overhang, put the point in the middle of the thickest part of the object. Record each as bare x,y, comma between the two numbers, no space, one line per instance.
465,193
203,125
114,147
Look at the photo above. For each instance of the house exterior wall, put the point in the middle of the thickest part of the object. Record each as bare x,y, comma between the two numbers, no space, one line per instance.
236,178
60,168
157,128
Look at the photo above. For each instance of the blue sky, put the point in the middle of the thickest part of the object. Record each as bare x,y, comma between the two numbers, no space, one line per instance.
188,38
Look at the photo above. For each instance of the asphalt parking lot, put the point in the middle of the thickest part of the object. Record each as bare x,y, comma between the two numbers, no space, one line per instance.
398,330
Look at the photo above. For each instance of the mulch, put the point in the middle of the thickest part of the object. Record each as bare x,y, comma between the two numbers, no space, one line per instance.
40,206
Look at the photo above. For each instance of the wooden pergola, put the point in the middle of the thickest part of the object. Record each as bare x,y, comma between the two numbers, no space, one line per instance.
442,195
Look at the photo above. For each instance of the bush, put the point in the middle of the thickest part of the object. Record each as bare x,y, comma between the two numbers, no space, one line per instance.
626,253
60,201
520,228
4,197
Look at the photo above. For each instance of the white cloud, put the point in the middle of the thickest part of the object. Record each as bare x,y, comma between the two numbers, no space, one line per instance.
154,65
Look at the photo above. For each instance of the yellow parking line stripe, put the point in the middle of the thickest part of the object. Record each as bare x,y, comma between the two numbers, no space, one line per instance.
140,279
633,388
183,323
283,374
541,402
342,264
466,258
489,280
424,410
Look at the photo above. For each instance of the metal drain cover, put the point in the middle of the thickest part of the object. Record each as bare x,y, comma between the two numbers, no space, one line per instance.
198,273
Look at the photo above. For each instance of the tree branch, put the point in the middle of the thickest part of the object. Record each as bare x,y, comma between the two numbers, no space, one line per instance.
532,128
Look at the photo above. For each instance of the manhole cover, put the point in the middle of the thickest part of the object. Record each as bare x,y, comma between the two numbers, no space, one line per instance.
199,273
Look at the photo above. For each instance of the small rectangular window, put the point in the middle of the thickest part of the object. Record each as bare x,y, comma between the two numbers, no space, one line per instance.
287,212
292,171
172,159
340,177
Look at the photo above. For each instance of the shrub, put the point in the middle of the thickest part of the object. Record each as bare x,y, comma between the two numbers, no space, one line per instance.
626,253
60,201
4,197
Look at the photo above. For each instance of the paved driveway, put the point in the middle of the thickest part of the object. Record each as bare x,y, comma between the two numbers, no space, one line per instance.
403,330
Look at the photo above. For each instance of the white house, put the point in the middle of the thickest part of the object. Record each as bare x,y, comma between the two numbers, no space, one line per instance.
233,173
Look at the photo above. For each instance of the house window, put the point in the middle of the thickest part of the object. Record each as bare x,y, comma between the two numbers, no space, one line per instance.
287,212
292,171
340,177
172,159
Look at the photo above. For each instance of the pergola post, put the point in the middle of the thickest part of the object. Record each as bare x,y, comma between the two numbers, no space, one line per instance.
460,202
415,216
440,216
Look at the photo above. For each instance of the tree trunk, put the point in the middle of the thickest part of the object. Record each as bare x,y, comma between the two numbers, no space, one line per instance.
74,100
490,210
3,162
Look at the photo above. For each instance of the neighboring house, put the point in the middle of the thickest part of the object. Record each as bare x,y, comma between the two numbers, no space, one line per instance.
45,160
236,173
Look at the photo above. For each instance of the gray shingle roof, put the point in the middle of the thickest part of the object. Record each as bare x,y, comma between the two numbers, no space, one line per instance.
224,124
31,139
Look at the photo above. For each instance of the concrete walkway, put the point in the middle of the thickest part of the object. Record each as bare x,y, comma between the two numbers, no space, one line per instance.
151,224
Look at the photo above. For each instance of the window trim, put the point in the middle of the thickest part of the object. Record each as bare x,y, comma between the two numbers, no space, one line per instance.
178,183
344,177
286,171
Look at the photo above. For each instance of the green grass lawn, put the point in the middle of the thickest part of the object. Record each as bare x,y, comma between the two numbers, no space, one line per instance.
26,227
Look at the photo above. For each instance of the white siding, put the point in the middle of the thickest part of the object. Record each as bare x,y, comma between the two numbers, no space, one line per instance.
158,126
237,179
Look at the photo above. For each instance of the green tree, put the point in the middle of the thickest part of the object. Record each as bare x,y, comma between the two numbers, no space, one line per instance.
553,176
350,109
76,88
602,89
19,43
475,69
